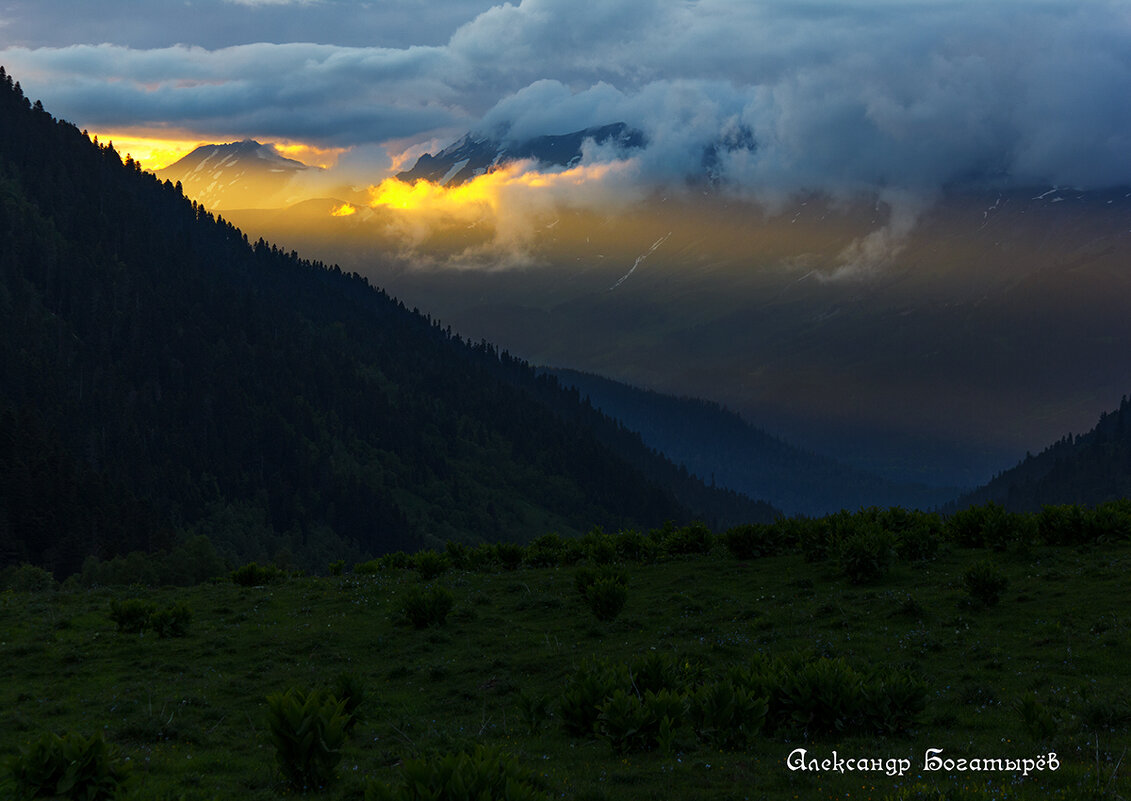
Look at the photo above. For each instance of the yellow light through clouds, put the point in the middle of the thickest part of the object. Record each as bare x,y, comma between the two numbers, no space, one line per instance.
153,153
504,189
344,210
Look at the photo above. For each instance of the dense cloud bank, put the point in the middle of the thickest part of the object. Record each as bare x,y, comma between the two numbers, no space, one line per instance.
772,97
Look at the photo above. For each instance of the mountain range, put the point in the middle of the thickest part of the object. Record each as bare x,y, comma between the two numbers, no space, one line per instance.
243,174
472,155
166,376
724,450
931,349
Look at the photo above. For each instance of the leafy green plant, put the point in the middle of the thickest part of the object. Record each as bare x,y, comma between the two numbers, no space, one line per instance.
622,720
426,606
533,710
350,690
655,671
69,766
823,696
585,577
483,774
173,621
307,729
131,615
584,693
726,715
893,701
337,567
606,598
1039,721
985,583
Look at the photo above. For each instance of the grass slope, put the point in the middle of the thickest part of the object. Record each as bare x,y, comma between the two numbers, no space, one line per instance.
190,716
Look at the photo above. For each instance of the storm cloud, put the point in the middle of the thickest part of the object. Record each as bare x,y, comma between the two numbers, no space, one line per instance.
842,97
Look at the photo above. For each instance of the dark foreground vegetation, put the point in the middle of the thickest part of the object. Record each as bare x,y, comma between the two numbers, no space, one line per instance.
676,663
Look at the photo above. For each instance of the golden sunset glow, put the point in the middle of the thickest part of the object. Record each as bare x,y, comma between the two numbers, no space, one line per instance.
325,157
506,187
344,210
153,153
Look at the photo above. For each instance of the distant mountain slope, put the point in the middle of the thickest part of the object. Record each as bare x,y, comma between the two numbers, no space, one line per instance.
162,374
243,174
472,155
721,448
1087,469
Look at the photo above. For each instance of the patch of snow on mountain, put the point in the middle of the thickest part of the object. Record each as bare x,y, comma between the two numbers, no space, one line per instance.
455,168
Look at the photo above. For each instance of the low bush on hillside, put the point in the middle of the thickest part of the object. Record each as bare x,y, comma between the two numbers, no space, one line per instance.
426,606
985,583
429,564
606,598
26,578
131,615
255,575
627,704
865,555
173,621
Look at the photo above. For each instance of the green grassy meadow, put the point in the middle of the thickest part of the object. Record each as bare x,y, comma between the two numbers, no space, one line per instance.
189,713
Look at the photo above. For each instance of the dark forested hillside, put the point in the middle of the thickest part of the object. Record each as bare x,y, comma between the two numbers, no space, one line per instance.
1087,469
163,375
720,447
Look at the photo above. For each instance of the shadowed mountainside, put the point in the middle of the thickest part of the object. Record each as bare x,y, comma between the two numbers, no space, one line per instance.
164,375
